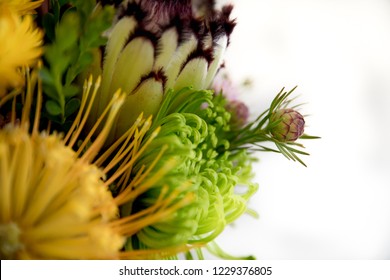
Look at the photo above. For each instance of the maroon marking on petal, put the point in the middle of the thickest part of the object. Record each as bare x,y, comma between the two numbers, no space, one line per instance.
158,76
203,53
221,23
116,3
140,32
131,9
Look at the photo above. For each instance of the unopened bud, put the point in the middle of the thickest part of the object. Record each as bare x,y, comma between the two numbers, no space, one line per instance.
289,125
239,113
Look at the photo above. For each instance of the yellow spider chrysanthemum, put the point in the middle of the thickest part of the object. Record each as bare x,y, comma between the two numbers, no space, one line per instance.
21,45
22,7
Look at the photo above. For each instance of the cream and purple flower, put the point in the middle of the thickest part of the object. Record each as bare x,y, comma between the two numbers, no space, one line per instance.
155,46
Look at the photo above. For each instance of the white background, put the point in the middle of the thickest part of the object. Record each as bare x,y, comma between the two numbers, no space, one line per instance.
338,53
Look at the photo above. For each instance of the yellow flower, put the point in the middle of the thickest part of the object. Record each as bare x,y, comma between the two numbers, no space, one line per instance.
22,7
53,205
56,203
20,46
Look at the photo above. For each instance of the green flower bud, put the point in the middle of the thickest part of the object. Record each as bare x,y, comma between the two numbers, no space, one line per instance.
287,125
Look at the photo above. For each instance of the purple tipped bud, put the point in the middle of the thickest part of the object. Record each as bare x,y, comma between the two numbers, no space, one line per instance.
290,125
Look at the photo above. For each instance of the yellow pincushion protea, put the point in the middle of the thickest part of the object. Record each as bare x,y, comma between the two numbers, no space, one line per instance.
22,7
55,201
21,45
53,205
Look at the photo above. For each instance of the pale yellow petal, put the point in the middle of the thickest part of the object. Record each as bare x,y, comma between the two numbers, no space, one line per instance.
135,61
193,74
218,55
116,42
178,59
166,47
146,99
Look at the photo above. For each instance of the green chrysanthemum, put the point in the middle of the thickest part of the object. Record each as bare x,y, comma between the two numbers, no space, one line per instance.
194,129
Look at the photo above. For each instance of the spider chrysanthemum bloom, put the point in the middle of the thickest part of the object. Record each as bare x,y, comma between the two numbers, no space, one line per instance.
22,7
21,46
156,46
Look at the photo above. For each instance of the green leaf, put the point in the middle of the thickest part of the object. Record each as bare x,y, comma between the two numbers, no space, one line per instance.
305,136
70,91
72,106
63,2
53,108
50,91
49,22
74,34
46,76
58,61
67,32
55,7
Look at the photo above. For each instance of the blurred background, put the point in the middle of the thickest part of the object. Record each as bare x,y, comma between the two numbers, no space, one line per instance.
338,53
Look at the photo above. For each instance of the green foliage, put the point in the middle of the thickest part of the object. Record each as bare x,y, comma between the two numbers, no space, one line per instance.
73,33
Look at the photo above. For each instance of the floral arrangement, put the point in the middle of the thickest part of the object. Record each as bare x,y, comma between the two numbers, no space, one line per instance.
117,141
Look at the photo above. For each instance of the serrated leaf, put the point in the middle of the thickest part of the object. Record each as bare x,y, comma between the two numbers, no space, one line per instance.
53,108
83,61
72,106
58,61
67,32
85,6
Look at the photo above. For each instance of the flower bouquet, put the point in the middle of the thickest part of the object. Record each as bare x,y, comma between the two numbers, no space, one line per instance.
116,139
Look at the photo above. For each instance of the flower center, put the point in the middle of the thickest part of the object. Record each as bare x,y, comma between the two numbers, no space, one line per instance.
10,242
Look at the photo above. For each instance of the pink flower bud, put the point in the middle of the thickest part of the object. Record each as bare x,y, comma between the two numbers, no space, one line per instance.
239,113
289,125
